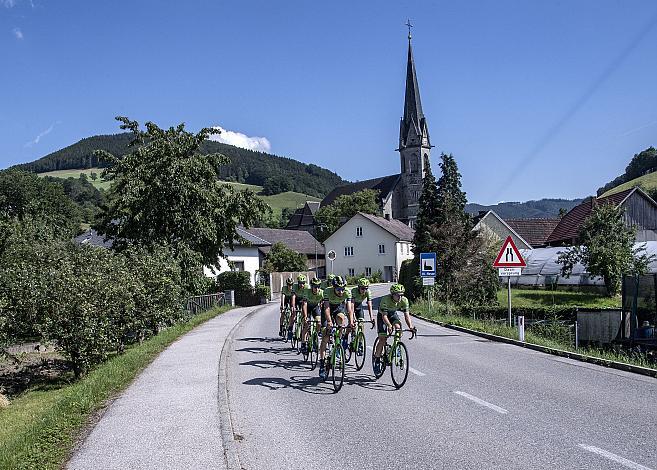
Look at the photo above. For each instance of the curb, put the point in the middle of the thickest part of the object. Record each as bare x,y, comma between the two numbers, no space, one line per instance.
231,452
555,352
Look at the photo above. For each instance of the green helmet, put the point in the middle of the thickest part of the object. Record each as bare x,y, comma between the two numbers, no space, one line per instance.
363,282
397,289
331,277
289,281
301,278
315,282
339,282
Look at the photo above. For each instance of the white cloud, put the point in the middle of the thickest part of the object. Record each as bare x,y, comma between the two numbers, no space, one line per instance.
9,3
40,136
18,33
238,139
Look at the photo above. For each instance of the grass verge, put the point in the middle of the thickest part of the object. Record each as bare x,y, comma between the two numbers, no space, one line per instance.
500,329
40,427
548,298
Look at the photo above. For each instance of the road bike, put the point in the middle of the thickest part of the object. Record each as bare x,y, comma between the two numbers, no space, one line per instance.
286,323
335,354
312,345
395,356
357,345
298,327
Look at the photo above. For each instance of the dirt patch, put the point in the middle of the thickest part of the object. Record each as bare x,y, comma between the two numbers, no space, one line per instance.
34,371
4,401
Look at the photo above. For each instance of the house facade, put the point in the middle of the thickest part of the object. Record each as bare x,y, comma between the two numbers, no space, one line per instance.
491,226
366,244
246,255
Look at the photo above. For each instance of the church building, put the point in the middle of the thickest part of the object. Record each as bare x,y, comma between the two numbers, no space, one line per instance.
400,193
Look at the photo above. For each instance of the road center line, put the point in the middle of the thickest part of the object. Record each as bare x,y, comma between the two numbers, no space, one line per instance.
614,457
482,402
415,371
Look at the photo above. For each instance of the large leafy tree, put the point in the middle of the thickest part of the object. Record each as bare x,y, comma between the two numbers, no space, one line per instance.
167,192
329,218
607,249
282,259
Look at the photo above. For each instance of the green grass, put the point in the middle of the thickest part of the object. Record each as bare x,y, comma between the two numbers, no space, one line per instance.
40,427
547,298
277,202
500,329
646,182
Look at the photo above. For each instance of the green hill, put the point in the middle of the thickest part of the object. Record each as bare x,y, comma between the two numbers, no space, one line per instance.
246,166
647,182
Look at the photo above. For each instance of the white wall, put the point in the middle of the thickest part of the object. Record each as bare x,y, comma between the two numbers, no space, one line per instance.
246,254
404,252
366,248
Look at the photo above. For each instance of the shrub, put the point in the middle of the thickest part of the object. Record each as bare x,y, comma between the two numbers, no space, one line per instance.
377,276
263,292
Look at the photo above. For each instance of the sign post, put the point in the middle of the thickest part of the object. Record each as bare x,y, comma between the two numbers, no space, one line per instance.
428,273
331,256
509,262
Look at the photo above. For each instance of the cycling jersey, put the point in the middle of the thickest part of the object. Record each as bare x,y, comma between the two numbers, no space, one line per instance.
286,292
298,291
359,298
335,300
312,299
388,305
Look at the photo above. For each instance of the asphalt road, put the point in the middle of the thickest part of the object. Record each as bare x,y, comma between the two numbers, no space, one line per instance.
469,403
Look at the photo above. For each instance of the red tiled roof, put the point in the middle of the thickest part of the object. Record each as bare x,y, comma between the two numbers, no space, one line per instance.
569,226
533,231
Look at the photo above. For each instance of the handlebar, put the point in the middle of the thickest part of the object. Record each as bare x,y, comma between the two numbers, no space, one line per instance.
413,332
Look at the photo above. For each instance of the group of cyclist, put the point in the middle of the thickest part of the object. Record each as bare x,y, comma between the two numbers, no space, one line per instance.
330,302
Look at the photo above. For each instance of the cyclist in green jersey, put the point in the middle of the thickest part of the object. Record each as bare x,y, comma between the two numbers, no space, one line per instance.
388,318
297,294
337,308
328,283
359,295
286,300
311,306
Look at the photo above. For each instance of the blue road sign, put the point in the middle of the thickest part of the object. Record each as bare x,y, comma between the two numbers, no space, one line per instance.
428,264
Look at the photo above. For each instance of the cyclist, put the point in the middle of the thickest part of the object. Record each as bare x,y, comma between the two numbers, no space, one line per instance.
286,301
388,319
311,306
328,282
359,295
297,294
337,308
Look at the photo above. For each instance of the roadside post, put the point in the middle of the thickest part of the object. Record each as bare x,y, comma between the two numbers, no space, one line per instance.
509,263
428,273
521,328
331,256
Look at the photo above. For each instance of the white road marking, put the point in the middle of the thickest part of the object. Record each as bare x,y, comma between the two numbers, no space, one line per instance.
482,402
614,457
415,371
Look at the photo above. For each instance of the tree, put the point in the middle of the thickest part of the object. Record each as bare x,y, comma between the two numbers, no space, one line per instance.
282,259
94,176
607,249
276,185
167,192
343,208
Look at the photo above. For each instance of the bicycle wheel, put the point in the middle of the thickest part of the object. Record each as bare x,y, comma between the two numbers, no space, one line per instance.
347,350
360,350
383,362
399,365
313,350
337,369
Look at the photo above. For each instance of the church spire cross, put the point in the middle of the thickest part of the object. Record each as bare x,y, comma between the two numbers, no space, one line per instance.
408,23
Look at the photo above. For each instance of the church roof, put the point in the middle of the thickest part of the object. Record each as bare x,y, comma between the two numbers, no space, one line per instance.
385,185
413,123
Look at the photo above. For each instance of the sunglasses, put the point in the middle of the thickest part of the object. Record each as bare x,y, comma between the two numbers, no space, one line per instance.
339,289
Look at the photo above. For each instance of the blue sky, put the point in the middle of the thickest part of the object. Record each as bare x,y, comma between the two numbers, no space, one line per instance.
534,98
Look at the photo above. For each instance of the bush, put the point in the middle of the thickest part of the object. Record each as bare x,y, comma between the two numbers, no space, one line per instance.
409,277
377,276
263,292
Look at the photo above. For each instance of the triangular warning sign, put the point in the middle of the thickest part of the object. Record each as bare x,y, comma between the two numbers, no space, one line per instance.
509,256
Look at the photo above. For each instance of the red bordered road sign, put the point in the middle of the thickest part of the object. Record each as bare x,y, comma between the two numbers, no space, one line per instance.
509,256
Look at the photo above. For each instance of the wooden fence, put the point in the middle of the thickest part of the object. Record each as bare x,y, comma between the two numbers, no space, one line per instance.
201,303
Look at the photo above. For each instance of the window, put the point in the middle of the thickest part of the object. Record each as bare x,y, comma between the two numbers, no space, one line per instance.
368,272
238,265
349,251
359,231
382,249
351,272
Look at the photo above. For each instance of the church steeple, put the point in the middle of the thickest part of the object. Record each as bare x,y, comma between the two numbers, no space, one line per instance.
413,126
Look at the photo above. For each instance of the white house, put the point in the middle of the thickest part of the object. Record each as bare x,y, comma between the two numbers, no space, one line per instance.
245,256
367,243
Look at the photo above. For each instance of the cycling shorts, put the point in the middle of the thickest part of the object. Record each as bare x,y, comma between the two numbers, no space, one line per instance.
381,326
335,310
287,301
314,311
359,313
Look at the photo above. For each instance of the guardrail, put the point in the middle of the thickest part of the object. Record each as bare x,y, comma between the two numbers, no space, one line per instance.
201,303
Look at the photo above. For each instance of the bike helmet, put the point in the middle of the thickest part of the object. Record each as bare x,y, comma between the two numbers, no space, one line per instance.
397,289
315,283
339,282
301,278
289,281
331,277
363,282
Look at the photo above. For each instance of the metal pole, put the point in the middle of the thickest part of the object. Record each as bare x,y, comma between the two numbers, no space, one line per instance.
509,297
316,262
576,337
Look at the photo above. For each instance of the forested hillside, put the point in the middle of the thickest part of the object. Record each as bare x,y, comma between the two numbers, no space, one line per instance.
544,208
275,174
642,163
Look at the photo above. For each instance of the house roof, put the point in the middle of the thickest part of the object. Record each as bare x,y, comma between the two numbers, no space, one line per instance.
384,185
395,227
534,231
304,216
482,215
297,240
569,226
249,237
